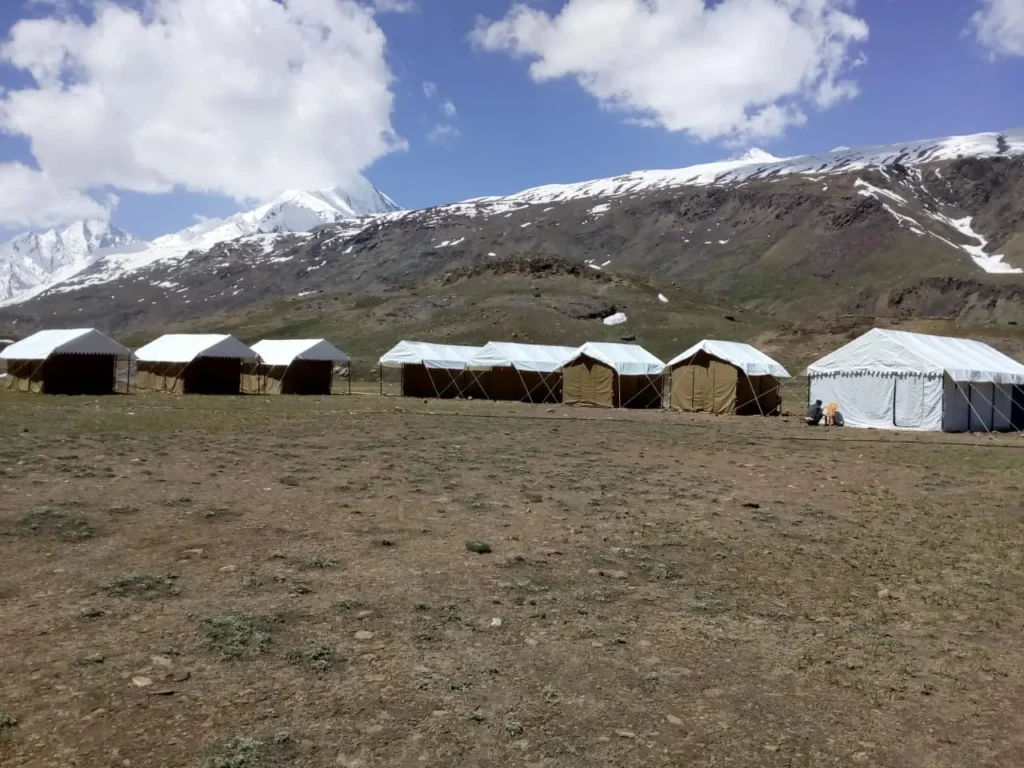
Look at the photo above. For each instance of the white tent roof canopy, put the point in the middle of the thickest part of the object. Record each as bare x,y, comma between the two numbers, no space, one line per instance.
429,355
624,359
67,341
287,351
186,347
537,358
898,352
748,359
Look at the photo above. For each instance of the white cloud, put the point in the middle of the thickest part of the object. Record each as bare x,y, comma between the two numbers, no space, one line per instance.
394,6
443,133
999,27
31,198
448,109
429,89
244,98
736,69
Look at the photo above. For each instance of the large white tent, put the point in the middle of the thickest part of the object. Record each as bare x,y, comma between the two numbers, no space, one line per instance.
898,380
430,370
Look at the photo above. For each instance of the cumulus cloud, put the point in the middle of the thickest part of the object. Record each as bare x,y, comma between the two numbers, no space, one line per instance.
429,89
999,27
448,109
244,98
733,69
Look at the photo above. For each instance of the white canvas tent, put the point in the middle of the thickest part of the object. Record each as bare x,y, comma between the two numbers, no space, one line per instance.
430,370
519,372
612,376
64,361
294,367
193,363
726,377
897,380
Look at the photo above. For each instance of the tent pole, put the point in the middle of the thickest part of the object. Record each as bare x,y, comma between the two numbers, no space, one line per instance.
380,370
128,373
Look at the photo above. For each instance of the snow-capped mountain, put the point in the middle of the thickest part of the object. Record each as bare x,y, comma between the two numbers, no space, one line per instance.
860,227
294,211
756,164
31,259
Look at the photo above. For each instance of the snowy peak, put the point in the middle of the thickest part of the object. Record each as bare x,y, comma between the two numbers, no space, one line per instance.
295,211
300,211
33,258
755,155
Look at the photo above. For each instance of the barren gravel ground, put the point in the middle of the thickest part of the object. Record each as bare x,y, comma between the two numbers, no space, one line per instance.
255,583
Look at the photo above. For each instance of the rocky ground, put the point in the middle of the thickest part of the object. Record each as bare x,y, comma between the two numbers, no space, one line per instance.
362,581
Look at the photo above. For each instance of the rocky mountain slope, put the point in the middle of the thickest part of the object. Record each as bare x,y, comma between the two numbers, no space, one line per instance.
922,227
32,259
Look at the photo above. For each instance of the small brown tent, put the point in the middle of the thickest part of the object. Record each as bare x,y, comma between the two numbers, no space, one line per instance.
79,361
293,367
726,377
613,376
205,364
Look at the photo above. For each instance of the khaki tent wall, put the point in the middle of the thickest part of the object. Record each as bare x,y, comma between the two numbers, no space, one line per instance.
589,382
202,376
63,375
420,381
302,377
708,385
507,383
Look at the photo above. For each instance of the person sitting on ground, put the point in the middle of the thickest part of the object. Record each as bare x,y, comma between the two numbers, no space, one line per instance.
814,413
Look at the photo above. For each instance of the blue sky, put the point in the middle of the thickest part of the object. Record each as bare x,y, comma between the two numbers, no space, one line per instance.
921,68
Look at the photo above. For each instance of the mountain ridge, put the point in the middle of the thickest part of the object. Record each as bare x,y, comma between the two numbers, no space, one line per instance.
849,231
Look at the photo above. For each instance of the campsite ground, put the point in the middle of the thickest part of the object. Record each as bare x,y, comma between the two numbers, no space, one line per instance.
257,582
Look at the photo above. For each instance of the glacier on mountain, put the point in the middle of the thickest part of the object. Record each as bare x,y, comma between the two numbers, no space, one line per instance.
34,258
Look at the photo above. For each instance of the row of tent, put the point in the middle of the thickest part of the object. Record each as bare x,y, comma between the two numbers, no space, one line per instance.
712,376
883,379
84,361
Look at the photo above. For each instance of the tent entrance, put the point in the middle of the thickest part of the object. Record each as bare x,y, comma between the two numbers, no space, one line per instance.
213,376
1017,408
589,382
